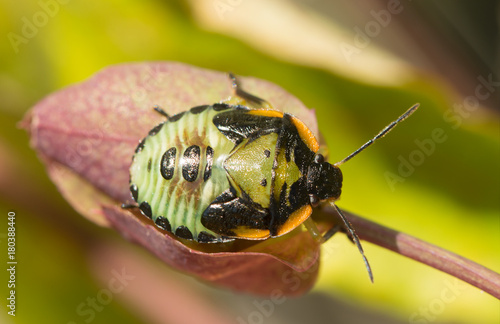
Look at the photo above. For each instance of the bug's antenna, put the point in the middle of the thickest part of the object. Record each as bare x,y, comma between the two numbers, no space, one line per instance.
355,239
381,134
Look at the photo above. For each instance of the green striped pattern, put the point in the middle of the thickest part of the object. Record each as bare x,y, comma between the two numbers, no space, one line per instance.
178,200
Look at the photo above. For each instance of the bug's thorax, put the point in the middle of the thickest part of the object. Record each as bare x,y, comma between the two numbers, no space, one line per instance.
249,168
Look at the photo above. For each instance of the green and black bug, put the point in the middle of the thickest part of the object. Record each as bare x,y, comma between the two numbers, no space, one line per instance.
225,171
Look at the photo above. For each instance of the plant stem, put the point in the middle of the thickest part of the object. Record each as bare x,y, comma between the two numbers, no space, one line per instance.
421,251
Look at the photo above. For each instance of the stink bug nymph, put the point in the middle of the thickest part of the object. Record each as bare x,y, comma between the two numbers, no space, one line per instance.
226,171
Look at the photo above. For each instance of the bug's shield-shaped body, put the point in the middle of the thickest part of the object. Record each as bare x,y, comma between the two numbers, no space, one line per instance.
219,172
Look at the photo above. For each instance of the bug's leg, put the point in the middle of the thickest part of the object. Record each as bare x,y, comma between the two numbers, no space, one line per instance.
332,231
129,206
162,112
313,230
241,97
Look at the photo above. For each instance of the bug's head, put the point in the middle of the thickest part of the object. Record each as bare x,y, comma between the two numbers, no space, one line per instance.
324,181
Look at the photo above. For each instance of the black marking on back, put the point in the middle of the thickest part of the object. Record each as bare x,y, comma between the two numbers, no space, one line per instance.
228,212
290,141
204,237
191,163
288,153
184,232
167,163
163,223
140,146
208,167
145,209
198,109
149,165
135,191
220,106
155,129
263,182
237,124
267,153
176,117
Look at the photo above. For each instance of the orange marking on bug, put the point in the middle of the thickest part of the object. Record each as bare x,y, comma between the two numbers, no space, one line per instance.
306,134
295,219
266,113
251,233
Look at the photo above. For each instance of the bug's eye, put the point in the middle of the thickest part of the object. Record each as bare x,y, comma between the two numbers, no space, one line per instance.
314,200
318,158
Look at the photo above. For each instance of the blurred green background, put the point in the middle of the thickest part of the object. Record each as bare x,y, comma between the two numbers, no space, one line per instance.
359,64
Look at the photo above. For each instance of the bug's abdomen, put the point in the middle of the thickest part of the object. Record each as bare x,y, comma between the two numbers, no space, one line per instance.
177,172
